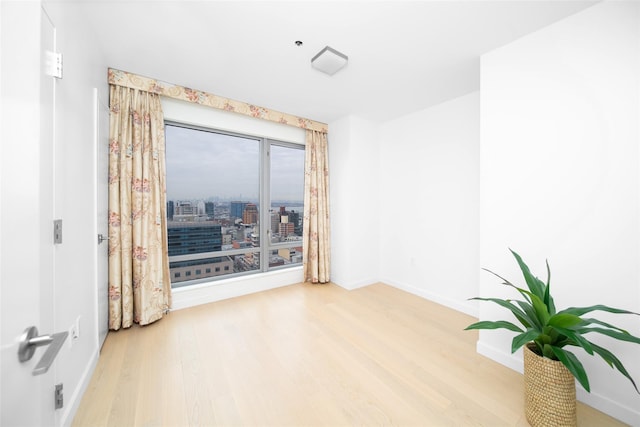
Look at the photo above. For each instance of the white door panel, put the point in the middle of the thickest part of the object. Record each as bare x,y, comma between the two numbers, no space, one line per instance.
26,210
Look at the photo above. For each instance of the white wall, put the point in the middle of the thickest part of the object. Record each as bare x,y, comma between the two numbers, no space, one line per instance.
560,179
75,190
354,168
429,202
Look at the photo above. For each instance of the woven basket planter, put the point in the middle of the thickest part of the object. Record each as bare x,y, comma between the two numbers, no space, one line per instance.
549,391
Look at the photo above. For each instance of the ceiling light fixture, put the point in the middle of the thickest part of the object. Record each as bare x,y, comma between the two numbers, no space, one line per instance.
329,61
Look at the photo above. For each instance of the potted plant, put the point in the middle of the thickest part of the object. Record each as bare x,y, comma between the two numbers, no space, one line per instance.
549,369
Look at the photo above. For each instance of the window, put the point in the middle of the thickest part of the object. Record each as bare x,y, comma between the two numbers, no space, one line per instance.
286,167
218,185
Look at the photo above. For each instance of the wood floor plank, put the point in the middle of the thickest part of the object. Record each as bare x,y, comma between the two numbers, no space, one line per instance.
312,355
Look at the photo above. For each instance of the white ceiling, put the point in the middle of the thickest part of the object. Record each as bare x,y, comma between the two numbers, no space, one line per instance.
403,56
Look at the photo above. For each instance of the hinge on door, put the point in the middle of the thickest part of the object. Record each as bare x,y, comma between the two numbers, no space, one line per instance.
57,231
59,397
53,64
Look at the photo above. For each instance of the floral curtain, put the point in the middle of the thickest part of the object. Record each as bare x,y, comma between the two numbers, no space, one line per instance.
316,231
139,281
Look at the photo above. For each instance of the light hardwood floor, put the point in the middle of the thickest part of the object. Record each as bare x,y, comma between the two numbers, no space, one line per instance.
306,355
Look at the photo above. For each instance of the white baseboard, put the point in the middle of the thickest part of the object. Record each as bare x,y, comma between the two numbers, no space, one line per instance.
593,399
73,403
512,361
462,307
350,286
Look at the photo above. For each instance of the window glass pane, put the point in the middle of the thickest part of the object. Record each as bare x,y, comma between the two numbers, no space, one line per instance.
285,256
213,193
287,187
202,268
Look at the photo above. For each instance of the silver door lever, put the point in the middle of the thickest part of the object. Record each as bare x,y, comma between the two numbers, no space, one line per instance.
30,340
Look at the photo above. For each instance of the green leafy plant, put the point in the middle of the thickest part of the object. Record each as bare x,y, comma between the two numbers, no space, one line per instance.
552,330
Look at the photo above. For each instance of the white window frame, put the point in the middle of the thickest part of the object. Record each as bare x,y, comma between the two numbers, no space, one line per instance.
265,216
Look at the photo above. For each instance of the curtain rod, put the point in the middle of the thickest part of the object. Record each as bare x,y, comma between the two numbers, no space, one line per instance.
134,81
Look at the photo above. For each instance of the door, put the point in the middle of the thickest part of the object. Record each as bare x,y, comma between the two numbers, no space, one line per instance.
101,144
26,210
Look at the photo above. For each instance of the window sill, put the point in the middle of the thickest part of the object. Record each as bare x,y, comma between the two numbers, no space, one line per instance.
203,293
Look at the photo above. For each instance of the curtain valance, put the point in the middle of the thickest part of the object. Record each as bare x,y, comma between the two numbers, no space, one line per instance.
134,81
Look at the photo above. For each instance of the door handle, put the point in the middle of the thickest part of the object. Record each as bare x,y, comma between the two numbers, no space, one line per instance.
30,340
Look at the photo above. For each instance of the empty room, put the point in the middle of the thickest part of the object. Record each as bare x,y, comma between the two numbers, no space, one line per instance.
331,213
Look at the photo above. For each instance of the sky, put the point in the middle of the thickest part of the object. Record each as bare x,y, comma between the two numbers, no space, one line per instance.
202,164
